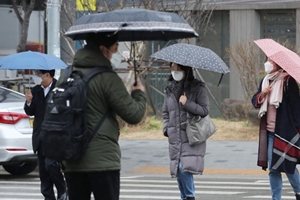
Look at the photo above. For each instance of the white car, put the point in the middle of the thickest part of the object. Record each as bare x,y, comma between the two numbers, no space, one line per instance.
16,154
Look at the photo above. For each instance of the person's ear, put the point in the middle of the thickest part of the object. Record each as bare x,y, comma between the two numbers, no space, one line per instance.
102,48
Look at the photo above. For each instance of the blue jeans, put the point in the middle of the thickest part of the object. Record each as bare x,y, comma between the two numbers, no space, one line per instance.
275,177
185,182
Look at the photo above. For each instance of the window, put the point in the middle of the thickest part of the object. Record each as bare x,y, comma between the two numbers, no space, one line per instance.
279,25
9,96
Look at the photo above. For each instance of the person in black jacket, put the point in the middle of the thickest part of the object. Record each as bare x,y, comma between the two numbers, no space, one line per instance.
35,105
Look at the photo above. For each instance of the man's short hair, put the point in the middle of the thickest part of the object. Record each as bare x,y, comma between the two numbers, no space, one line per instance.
106,39
51,72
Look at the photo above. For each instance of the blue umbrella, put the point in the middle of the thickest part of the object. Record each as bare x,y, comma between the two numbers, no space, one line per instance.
31,60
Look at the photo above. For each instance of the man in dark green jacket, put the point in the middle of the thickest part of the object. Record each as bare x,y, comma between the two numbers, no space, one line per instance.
98,170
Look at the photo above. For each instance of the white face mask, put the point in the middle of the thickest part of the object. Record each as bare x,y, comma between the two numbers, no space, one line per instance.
116,59
177,75
268,67
36,79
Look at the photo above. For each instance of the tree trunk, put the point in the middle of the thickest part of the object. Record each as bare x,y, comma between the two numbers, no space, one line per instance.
25,26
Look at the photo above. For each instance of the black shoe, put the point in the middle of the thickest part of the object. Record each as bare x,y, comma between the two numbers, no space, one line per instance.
193,198
297,196
64,196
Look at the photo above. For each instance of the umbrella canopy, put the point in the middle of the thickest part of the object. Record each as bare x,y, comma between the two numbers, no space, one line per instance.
133,25
31,60
285,58
192,56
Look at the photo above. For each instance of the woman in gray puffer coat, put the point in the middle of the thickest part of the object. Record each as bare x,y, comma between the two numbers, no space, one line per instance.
183,95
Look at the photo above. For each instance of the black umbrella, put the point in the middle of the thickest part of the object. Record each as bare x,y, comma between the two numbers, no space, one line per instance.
133,25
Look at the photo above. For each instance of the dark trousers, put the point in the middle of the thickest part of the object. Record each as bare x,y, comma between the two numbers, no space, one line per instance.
50,174
104,185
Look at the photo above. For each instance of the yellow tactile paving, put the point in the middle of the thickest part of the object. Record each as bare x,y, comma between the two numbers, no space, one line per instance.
165,170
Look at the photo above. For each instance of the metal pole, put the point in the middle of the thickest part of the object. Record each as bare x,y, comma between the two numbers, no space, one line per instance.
53,29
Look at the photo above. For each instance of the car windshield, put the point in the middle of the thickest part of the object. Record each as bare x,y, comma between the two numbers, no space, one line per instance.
8,96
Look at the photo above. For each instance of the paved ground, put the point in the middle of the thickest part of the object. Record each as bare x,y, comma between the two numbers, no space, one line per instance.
222,157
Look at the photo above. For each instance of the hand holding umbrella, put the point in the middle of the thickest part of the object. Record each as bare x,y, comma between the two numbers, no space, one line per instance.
137,85
182,99
28,96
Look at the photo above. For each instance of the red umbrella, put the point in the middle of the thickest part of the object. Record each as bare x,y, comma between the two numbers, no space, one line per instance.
285,58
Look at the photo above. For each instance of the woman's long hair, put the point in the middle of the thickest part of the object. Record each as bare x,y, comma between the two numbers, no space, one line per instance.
189,76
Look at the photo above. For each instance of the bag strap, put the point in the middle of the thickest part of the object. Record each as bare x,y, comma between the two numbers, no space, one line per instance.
100,122
94,71
67,72
286,86
87,77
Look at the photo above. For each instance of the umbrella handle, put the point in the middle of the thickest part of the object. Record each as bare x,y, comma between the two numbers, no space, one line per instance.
220,79
135,76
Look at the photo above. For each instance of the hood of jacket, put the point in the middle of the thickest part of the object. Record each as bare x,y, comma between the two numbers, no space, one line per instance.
90,56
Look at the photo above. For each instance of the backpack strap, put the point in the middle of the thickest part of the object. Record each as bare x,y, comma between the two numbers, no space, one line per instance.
67,72
100,122
90,74
96,70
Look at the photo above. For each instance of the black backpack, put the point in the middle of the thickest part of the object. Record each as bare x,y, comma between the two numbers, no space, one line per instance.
64,132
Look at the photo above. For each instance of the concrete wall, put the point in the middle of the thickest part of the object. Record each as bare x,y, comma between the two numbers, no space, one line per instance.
298,28
244,26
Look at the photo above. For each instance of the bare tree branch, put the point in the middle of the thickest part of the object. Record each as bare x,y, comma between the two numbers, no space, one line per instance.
17,12
245,59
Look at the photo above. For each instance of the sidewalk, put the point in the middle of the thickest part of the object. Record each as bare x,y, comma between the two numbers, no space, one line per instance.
222,157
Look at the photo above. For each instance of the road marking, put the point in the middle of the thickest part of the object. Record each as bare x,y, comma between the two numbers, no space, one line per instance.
197,186
150,188
267,197
198,182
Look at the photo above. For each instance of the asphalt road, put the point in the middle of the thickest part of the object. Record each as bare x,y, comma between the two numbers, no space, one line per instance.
230,174
222,157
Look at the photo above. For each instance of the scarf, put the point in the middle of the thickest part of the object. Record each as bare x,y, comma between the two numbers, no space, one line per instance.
277,90
176,88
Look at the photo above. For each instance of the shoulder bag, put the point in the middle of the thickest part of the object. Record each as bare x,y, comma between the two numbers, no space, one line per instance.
199,129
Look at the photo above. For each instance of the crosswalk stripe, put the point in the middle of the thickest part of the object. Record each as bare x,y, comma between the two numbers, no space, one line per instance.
197,186
21,182
147,197
19,187
267,197
196,182
19,194
151,188
14,199
177,191
174,185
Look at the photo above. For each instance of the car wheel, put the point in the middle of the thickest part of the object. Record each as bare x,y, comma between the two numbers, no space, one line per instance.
22,168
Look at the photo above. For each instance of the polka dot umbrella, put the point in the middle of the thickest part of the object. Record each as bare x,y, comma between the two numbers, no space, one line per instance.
285,58
192,56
